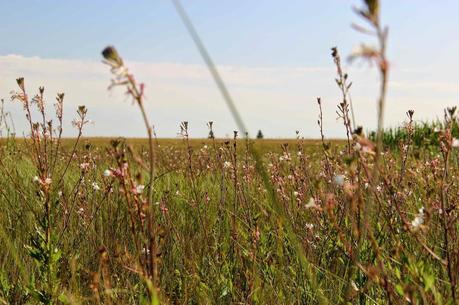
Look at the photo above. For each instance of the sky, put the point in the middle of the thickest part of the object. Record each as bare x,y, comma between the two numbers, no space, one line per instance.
273,55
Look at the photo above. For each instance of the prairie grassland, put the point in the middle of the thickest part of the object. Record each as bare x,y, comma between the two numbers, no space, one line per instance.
217,239
229,221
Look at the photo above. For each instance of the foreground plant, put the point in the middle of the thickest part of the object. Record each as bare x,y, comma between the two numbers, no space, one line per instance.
46,206
227,221
143,212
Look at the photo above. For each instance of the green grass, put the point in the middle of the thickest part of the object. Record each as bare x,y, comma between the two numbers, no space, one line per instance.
217,239
230,221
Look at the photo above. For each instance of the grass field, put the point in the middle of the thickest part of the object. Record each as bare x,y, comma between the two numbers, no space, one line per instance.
217,238
363,220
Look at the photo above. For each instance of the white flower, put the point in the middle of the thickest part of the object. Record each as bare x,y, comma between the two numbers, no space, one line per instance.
295,193
357,146
338,180
147,251
455,142
59,193
84,166
309,226
419,219
354,286
226,164
35,179
139,189
95,186
311,204
107,173
285,157
299,153
48,180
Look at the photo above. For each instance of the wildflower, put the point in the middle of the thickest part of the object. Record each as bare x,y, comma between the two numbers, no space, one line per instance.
309,226
295,193
84,166
285,157
311,204
107,173
354,286
48,181
145,251
364,145
35,179
164,209
357,146
95,186
419,219
299,153
226,164
455,142
338,180
77,123
59,193
139,189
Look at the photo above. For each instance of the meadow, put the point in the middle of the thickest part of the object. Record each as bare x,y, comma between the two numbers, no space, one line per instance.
361,220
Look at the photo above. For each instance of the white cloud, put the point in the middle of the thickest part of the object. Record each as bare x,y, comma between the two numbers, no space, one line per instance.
278,100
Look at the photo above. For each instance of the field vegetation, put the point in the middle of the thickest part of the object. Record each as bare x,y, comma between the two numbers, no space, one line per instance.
364,220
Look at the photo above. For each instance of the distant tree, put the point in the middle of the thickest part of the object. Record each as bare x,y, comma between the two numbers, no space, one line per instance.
259,135
211,131
211,134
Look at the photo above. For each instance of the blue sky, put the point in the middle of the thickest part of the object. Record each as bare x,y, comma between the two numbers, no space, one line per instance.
264,43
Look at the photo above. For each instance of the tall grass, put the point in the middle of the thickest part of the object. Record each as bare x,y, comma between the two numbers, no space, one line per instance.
229,221
425,135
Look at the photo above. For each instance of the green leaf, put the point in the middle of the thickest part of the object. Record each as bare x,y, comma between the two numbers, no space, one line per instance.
429,280
399,289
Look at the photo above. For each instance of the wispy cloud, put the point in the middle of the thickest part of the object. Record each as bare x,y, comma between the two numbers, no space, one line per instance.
278,100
